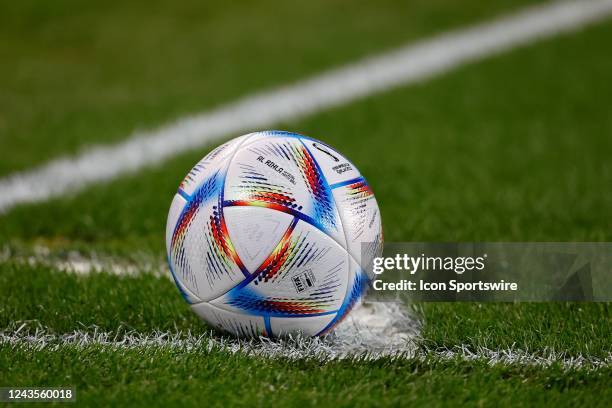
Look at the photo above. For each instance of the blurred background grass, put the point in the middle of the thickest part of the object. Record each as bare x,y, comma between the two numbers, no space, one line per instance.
76,73
515,148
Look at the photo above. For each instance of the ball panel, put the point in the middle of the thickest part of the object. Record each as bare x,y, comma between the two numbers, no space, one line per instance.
188,295
361,220
200,252
176,207
305,275
217,159
281,174
265,134
356,291
255,232
239,324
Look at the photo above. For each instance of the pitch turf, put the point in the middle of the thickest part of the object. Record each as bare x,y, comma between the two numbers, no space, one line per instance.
63,303
514,148
163,374
158,376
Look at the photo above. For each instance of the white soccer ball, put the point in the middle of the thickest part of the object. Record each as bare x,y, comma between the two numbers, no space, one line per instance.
264,237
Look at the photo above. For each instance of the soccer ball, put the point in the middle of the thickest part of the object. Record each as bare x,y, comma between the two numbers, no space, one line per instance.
270,234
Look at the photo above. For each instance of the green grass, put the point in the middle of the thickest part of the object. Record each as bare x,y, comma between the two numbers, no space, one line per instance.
161,376
146,303
63,302
571,328
156,376
75,73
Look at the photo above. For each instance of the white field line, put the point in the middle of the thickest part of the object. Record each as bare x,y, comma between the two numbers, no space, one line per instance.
371,331
323,350
405,65
76,262
515,356
374,331
374,327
